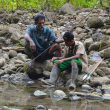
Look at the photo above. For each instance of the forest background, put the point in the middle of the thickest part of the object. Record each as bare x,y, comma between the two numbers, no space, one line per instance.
50,5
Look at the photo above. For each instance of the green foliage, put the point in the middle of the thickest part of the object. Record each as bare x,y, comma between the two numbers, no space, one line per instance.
11,5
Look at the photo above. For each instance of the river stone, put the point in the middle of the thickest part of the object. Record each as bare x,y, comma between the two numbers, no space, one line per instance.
85,86
101,80
106,88
75,97
95,22
6,56
100,72
40,107
87,43
2,62
105,53
108,31
106,70
21,57
106,97
59,95
40,94
12,53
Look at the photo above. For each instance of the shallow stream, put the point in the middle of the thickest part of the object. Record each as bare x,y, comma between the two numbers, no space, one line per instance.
21,97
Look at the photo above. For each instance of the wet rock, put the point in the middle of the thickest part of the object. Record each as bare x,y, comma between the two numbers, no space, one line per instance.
91,96
40,107
95,22
87,87
40,94
106,97
59,95
75,97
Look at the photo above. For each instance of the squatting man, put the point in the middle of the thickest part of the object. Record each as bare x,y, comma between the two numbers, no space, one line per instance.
39,38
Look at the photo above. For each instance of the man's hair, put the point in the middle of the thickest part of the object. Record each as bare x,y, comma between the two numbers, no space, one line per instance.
68,36
39,17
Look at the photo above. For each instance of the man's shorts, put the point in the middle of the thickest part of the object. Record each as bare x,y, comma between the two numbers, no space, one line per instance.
67,65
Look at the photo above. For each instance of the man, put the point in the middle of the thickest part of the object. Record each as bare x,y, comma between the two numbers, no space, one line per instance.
41,44
75,58
38,38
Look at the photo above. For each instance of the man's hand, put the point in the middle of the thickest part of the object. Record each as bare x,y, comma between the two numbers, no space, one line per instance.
32,46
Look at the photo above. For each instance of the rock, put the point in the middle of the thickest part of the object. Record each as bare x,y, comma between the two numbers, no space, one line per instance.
95,22
87,87
106,70
87,43
75,97
6,56
94,46
46,73
40,94
106,97
101,80
100,72
108,32
40,107
67,8
105,53
2,62
59,95
12,53
21,57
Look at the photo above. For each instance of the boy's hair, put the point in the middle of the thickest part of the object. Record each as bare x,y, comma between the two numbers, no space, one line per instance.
68,36
39,17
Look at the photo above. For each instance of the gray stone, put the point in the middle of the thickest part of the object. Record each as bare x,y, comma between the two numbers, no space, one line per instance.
12,53
67,8
101,80
95,22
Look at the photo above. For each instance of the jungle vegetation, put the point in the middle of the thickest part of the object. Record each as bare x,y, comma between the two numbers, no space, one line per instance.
49,5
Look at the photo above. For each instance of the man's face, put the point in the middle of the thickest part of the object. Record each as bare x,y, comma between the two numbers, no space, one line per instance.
69,42
40,23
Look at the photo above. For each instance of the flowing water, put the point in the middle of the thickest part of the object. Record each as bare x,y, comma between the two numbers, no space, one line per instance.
21,97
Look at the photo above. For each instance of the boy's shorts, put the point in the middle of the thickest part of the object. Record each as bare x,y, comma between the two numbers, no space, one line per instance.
67,64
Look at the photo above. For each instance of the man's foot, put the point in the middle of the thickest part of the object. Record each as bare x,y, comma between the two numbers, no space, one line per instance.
72,87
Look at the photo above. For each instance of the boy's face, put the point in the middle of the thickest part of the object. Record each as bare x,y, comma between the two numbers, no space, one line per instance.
69,42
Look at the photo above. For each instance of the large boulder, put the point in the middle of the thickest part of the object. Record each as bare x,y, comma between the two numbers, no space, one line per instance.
36,70
95,22
67,9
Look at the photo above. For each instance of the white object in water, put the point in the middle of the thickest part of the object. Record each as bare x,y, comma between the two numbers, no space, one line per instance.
39,93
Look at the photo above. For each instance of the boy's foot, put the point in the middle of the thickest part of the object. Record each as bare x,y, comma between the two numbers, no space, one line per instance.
72,87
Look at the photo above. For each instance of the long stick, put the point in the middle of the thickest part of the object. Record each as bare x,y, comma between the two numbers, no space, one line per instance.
91,69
